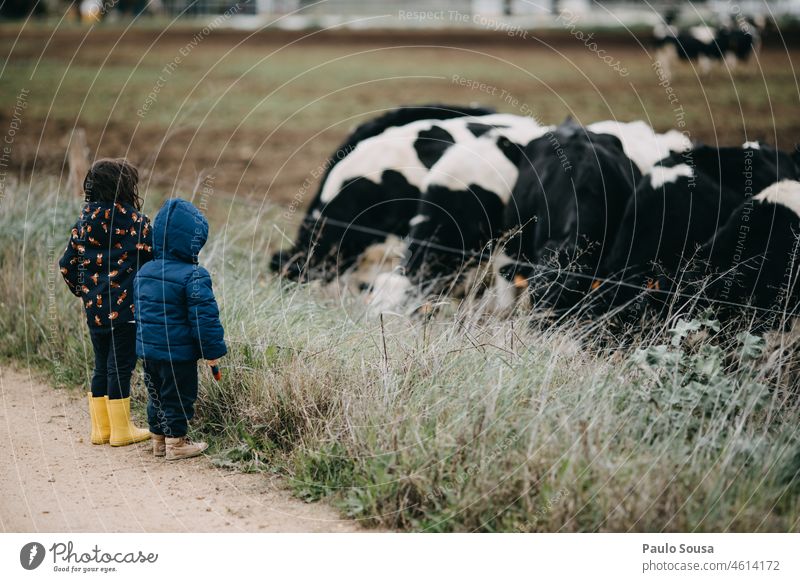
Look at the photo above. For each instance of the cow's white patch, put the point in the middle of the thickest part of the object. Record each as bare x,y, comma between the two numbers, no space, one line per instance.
522,130
751,145
418,219
457,127
480,162
394,150
663,30
704,34
391,150
673,141
786,193
640,143
390,291
661,175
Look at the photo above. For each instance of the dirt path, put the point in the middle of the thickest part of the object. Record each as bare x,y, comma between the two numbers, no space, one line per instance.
53,480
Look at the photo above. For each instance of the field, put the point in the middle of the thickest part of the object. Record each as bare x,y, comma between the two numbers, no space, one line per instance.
458,423
261,112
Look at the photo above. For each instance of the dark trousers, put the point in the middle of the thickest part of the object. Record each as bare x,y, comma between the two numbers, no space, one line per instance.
171,391
114,360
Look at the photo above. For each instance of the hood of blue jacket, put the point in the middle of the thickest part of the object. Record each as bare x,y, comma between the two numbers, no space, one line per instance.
179,231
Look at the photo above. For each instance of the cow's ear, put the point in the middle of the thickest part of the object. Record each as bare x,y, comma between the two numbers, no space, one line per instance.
510,150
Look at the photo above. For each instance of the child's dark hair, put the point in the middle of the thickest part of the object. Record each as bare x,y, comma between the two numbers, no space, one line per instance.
113,180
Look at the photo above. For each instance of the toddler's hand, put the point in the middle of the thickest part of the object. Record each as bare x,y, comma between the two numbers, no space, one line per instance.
214,370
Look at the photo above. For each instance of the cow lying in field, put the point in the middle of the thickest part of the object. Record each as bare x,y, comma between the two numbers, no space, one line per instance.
556,190
595,218
754,259
568,203
683,220
732,44
371,186
459,215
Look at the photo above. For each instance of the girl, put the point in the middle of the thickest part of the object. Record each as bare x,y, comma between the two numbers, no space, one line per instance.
109,243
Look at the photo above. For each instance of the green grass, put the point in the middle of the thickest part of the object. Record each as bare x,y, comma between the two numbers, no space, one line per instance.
464,422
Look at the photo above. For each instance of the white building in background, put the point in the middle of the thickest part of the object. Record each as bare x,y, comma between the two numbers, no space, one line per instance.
521,13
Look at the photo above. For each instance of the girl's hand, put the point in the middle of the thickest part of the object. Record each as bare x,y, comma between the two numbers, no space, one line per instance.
212,362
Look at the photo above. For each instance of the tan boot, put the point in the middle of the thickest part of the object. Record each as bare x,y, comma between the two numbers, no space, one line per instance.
98,414
159,444
183,448
123,431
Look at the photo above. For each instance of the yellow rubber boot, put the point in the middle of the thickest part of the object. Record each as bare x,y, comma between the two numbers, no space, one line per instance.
98,413
123,431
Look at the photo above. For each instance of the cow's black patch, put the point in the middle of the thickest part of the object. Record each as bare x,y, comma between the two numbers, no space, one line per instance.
362,214
478,129
663,228
460,227
753,260
513,151
431,144
565,209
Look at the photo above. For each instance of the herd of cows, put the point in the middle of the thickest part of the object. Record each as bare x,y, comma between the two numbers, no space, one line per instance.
429,201
731,43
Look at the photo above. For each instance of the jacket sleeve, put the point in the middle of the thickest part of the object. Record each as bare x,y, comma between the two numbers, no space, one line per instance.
71,266
204,315
145,246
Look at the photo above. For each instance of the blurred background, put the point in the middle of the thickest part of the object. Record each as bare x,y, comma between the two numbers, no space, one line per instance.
307,13
258,93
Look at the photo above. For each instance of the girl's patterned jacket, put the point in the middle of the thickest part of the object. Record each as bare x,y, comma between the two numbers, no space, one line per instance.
109,243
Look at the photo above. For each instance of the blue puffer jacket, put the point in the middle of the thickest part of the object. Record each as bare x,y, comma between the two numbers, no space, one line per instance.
176,313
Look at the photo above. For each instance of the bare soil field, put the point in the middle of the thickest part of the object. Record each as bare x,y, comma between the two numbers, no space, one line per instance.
259,112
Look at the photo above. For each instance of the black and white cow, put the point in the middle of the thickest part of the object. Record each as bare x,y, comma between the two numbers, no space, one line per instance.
453,230
678,206
753,260
460,212
641,143
573,187
568,202
371,185
733,43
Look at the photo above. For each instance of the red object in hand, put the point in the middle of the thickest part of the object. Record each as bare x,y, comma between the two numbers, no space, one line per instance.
216,373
